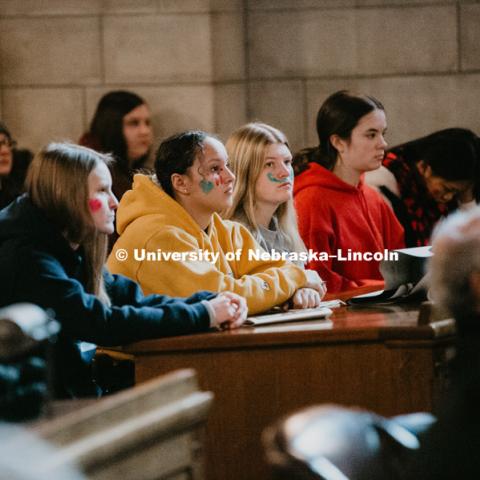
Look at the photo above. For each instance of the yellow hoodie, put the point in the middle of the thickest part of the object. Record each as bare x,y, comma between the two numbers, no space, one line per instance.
151,222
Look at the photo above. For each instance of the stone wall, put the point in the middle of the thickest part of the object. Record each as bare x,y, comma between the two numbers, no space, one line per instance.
213,64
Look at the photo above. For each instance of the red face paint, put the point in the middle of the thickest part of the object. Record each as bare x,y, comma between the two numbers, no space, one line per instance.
95,204
218,179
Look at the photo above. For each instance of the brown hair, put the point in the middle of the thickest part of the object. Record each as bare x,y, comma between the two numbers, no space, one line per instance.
338,115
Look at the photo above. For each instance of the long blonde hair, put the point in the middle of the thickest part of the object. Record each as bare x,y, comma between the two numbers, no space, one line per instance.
247,149
57,183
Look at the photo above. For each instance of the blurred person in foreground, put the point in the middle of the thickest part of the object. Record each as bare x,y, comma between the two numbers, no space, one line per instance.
452,446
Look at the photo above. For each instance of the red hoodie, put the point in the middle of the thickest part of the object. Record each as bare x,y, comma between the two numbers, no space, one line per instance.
334,216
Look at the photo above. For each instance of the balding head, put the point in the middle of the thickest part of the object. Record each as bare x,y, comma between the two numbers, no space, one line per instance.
455,266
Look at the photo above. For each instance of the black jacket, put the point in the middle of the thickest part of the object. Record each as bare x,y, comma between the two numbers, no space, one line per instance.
37,265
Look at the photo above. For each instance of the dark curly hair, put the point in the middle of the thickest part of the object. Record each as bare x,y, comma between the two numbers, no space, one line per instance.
176,154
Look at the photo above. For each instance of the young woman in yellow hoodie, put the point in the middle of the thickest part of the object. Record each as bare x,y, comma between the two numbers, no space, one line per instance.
173,241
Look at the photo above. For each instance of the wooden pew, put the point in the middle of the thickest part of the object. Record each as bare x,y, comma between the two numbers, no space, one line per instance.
151,431
375,357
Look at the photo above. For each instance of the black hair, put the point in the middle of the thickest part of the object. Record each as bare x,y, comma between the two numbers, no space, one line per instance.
21,159
452,154
5,131
176,154
107,124
338,115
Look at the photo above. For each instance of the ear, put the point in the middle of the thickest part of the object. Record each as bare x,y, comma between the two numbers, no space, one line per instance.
180,183
337,142
424,169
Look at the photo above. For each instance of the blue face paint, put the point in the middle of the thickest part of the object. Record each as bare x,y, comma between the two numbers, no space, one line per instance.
281,180
273,179
206,186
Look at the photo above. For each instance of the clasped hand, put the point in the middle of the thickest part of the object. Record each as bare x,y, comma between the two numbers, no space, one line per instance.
230,310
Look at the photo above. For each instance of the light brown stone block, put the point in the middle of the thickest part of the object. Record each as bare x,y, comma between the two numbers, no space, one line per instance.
470,36
127,6
50,7
50,51
335,42
157,49
321,4
230,108
185,6
40,116
228,46
280,104
227,5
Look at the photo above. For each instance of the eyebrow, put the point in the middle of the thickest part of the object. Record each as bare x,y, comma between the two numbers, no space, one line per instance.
377,130
216,160
282,156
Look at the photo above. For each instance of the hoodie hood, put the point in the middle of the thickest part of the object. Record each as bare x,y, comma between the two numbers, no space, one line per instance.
24,223
316,175
148,203
22,219
19,219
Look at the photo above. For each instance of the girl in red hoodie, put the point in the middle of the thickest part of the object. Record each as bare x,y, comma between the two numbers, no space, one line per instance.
343,221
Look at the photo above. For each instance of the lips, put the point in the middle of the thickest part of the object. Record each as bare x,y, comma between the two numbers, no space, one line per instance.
5,163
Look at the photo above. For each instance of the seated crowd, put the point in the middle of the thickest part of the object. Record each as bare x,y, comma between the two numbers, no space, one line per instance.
195,235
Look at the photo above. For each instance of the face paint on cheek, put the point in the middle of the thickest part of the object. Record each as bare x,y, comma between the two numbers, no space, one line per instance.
94,204
274,179
219,180
206,186
291,176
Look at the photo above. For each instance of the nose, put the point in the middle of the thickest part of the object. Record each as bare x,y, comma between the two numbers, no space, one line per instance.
146,127
447,196
284,171
383,144
113,202
228,175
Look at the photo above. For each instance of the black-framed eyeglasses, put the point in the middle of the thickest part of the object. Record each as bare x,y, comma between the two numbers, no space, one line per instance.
7,142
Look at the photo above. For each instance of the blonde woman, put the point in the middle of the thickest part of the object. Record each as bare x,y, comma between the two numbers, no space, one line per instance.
53,244
262,199
261,160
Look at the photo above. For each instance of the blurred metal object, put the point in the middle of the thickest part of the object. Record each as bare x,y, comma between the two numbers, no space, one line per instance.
27,337
329,442
23,327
